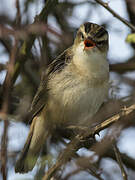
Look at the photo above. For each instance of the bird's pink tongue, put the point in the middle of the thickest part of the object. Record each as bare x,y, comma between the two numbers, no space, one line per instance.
89,44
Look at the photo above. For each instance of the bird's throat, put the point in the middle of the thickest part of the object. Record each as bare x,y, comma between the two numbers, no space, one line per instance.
89,62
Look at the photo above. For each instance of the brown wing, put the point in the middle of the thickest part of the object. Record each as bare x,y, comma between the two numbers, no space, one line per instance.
41,96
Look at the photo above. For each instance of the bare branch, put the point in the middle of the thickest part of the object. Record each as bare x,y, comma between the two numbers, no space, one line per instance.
119,160
122,67
3,153
18,13
75,144
128,161
106,6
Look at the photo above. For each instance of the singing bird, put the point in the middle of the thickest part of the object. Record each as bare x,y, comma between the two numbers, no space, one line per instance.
71,91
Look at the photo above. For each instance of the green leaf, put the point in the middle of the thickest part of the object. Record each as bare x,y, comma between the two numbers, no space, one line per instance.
131,38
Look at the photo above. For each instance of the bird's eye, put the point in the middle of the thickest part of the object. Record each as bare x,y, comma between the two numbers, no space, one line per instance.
81,35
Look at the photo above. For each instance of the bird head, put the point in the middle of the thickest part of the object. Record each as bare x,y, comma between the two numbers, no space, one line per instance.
92,38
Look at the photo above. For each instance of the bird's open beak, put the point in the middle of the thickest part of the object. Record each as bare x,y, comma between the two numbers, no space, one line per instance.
89,44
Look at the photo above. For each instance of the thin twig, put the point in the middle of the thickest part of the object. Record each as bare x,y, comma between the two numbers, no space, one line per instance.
18,13
69,175
119,160
3,154
128,161
106,6
122,67
23,33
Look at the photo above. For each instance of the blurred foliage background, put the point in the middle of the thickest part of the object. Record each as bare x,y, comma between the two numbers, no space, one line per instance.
32,34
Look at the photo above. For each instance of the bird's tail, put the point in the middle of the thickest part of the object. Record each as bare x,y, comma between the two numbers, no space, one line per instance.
35,140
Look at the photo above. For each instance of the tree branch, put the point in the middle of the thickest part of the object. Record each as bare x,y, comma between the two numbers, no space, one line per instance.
119,160
105,5
76,143
122,67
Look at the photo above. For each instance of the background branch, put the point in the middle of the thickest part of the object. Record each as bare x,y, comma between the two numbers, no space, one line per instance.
106,6
76,143
119,160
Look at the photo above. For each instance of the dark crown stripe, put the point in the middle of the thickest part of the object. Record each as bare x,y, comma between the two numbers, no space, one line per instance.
101,32
87,27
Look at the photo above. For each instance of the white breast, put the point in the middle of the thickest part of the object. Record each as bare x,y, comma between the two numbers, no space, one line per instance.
81,101
76,94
